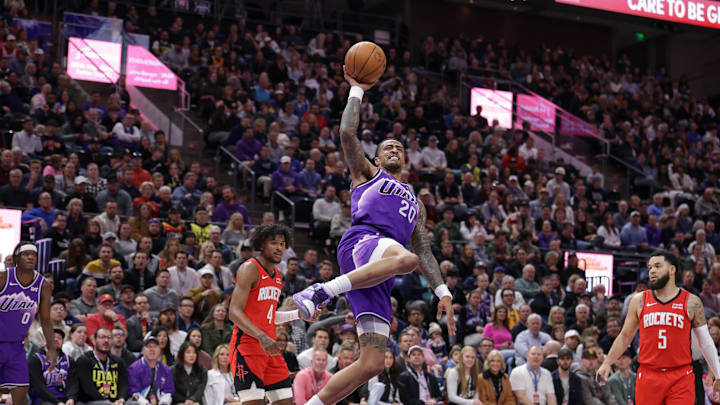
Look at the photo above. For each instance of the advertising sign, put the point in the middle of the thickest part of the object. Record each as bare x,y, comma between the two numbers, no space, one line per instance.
10,228
143,69
496,105
540,113
92,60
704,13
598,269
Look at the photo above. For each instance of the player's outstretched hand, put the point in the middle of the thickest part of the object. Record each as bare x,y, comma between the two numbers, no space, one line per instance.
446,306
354,82
269,345
602,374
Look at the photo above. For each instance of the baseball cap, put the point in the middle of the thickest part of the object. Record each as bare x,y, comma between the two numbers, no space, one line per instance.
432,139
108,235
629,352
347,328
590,353
571,333
205,272
544,190
126,287
416,347
529,183
39,51
112,177
166,309
285,159
634,213
105,298
246,244
424,191
512,178
11,37
366,131
150,338
565,352
499,268
453,272
80,180
174,209
560,170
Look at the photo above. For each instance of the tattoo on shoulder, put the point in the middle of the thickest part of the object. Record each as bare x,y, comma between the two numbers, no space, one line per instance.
696,311
377,341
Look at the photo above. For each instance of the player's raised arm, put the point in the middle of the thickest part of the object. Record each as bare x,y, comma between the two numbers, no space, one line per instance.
430,269
624,338
696,311
247,276
360,168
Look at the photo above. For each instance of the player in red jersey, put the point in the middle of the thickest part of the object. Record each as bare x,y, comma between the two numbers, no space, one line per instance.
665,315
257,366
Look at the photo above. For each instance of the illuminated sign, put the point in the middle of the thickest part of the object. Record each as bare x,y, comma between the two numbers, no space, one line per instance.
93,60
496,105
598,269
537,111
143,69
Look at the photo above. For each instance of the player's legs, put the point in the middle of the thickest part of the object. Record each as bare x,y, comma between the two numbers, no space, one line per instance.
650,387
248,372
19,395
14,374
278,385
372,261
373,341
682,387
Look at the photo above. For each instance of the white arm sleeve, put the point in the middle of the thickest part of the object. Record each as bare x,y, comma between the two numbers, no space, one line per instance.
709,350
286,316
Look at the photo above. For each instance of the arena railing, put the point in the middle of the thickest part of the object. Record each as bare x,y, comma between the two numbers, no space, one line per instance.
235,165
287,200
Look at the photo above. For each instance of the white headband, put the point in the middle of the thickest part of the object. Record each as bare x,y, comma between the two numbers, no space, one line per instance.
27,248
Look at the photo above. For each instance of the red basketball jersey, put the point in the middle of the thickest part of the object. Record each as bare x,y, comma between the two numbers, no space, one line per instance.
262,302
665,332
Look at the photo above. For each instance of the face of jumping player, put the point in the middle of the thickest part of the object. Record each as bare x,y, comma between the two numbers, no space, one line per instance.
391,156
273,249
27,260
660,270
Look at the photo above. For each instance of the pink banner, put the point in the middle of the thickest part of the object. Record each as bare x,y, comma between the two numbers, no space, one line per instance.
143,69
539,112
10,231
92,60
496,105
572,125
598,267
704,13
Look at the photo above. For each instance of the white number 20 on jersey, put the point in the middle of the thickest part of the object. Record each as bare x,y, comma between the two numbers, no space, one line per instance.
407,211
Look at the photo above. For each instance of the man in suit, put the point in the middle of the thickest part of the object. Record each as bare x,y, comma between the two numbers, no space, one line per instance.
568,386
416,376
139,324
550,351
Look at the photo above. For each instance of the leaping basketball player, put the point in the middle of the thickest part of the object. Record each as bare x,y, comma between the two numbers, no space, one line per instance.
386,216
257,366
665,315
22,290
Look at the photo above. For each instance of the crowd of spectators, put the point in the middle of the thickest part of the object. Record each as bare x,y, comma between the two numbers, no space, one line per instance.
152,243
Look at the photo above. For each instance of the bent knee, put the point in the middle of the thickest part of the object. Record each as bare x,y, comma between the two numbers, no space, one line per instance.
407,262
373,367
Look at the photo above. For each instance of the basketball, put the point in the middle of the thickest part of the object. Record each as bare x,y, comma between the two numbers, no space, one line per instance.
365,62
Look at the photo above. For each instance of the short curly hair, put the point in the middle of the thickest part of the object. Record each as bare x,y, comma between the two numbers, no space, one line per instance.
265,232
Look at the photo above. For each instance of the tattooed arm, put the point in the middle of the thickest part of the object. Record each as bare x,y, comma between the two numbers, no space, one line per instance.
429,266
360,168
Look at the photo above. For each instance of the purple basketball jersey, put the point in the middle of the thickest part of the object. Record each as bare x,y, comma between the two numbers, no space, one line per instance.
18,306
384,204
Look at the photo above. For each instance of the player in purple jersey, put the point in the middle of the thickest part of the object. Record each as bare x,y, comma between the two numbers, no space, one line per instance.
22,291
386,216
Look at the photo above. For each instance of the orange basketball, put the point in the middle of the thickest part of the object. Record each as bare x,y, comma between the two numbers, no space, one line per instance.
365,62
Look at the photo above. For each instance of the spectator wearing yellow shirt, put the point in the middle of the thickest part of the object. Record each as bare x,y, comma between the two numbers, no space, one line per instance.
100,268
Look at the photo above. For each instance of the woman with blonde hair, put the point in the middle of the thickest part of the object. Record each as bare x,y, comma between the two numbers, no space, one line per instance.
463,380
220,387
206,250
76,221
167,255
494,385
234,234
147,191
